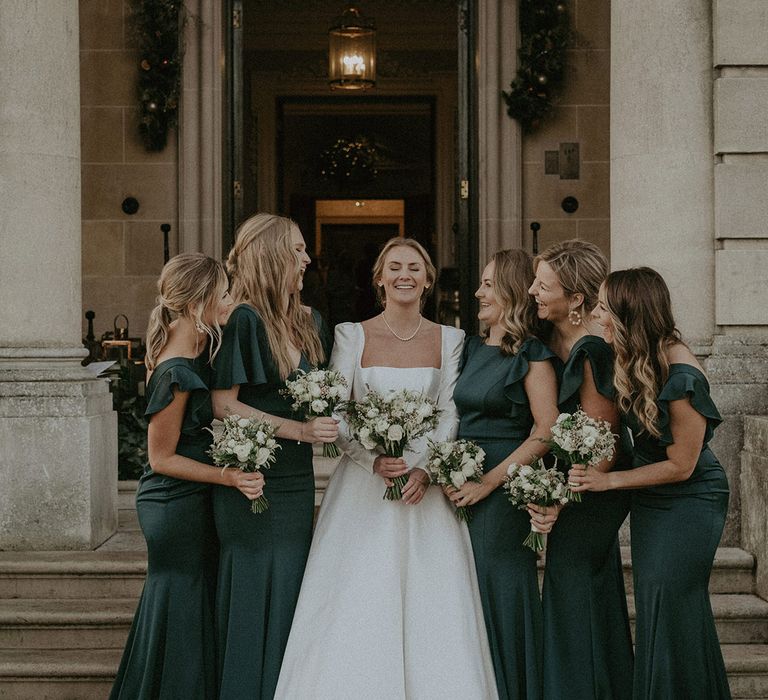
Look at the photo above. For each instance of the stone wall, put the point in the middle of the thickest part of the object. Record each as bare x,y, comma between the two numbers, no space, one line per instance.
582,116
754,497
121,254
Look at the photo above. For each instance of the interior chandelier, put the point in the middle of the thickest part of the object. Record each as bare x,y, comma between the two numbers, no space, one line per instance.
352,51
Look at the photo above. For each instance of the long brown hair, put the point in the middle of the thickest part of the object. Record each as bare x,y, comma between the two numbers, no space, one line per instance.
378,266
580,266
643,331
190,286
263,266
512,276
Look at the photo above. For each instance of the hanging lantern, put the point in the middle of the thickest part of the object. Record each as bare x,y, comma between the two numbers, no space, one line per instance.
352,52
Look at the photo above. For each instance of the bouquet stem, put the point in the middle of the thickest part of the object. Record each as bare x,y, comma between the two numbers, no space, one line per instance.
464,513
259,505
535,540
330,450
573,497
395,492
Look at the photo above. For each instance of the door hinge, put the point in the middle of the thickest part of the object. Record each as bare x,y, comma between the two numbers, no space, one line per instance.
237,18
464,189
237,189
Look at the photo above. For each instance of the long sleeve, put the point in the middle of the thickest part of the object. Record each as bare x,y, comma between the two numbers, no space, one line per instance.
345,358
448,423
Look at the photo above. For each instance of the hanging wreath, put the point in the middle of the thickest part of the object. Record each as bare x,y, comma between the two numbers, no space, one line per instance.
544,38
157,25
349,161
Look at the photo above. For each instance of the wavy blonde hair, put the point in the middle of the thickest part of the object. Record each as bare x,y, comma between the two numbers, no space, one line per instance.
581,268
378,266
191,285
512,277
263,266
643,330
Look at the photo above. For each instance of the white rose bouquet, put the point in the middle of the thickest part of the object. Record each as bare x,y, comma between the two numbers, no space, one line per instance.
579,439
390,422
454,463
248,444
534,483
317,393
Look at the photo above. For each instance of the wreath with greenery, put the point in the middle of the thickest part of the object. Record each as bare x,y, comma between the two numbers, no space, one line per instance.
157,25
349,160
544,39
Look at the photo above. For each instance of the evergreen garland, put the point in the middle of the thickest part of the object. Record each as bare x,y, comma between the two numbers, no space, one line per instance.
544,38
157,24
350,161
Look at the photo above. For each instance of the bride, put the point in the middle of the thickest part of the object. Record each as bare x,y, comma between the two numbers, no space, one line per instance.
389,606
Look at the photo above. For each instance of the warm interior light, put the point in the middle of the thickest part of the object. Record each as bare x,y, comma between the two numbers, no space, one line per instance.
352,52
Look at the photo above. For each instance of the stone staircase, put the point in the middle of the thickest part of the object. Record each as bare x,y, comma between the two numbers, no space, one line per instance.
64,616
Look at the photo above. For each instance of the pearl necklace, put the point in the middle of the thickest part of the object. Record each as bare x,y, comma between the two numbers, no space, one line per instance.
410,337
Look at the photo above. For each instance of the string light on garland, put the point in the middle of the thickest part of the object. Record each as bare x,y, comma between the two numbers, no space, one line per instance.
350,161
545,36
157,25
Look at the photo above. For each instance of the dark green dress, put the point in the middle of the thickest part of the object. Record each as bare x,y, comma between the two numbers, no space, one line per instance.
262,556
587,639
676,529
170,651
495,413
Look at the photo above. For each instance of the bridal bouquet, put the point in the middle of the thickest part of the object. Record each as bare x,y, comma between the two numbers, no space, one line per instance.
579,439
454,463
535,484
391,422
248,444
318,393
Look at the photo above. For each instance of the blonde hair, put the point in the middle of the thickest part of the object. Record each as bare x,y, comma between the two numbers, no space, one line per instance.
191,285
512,277
378,266
264,268
580,267
643,330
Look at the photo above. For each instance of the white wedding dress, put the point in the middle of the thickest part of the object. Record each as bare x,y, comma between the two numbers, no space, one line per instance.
389,607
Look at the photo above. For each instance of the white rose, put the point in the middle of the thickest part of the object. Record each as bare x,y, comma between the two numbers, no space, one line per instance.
525,470
445,450
562,417
589,441
318,406
243,450
365,439
468,467
395,433
261,437
314,390
458,479
372,412
262,456
243,422
382,426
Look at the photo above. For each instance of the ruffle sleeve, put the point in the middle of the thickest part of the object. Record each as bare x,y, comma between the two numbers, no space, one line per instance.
532,350
686,381
239,360
600,357
162,386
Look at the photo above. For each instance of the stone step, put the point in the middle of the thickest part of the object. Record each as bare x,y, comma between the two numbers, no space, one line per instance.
74,623
747,666
57,674
100,574
740,618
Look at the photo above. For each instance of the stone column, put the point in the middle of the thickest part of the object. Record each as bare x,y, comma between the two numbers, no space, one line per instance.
661,151
499,139
201,129
58,472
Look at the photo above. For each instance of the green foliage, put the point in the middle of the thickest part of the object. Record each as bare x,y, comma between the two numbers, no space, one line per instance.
156,25
131,423
544,39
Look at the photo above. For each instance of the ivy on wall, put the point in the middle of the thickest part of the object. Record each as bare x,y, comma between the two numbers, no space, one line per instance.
544,38
157,25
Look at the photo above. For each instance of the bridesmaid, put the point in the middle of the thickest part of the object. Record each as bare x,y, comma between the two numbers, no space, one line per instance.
170,651
506,396
268,336
583,593
680,493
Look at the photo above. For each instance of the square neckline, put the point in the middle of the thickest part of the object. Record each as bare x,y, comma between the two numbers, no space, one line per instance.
361,348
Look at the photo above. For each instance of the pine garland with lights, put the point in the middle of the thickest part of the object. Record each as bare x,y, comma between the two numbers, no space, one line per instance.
349,161
545,35
157,25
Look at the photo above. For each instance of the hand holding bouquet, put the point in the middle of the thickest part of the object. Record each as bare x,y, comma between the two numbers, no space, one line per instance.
390,422
248,444
535,484
579,439
318,393
453,464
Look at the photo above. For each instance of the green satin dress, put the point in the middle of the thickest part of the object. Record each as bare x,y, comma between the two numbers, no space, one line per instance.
676,529
494,411
170,651
587,639
262,556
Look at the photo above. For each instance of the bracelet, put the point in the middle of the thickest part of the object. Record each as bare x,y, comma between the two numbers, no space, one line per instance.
301,434
223,469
